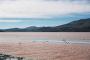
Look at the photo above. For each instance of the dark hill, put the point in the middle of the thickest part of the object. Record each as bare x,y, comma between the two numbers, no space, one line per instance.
82,25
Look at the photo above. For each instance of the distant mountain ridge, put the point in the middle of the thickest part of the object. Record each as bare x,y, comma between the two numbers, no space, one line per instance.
82,25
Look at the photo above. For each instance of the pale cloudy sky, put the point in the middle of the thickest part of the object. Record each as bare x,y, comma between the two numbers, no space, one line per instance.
47,10
40,8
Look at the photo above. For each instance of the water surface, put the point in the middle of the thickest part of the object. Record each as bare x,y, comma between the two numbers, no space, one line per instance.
50,37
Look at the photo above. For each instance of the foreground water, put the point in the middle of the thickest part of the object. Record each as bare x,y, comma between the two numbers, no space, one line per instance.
46,45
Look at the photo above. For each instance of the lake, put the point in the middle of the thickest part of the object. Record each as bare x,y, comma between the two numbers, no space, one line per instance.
66,37
46,45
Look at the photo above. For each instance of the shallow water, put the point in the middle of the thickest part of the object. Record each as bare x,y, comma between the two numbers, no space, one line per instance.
49,37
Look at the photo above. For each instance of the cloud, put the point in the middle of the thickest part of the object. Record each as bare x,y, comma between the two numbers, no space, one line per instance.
39,8
12,21
50,0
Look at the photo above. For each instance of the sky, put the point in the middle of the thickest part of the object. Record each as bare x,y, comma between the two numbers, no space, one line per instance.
24,13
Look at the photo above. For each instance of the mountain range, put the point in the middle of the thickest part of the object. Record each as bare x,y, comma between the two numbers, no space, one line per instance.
82,25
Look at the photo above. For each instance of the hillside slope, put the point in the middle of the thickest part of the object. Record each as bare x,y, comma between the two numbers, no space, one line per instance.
82,25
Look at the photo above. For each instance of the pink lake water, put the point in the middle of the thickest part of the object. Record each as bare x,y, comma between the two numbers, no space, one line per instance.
71,37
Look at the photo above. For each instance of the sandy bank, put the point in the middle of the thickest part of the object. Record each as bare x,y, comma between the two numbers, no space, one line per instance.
45,51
